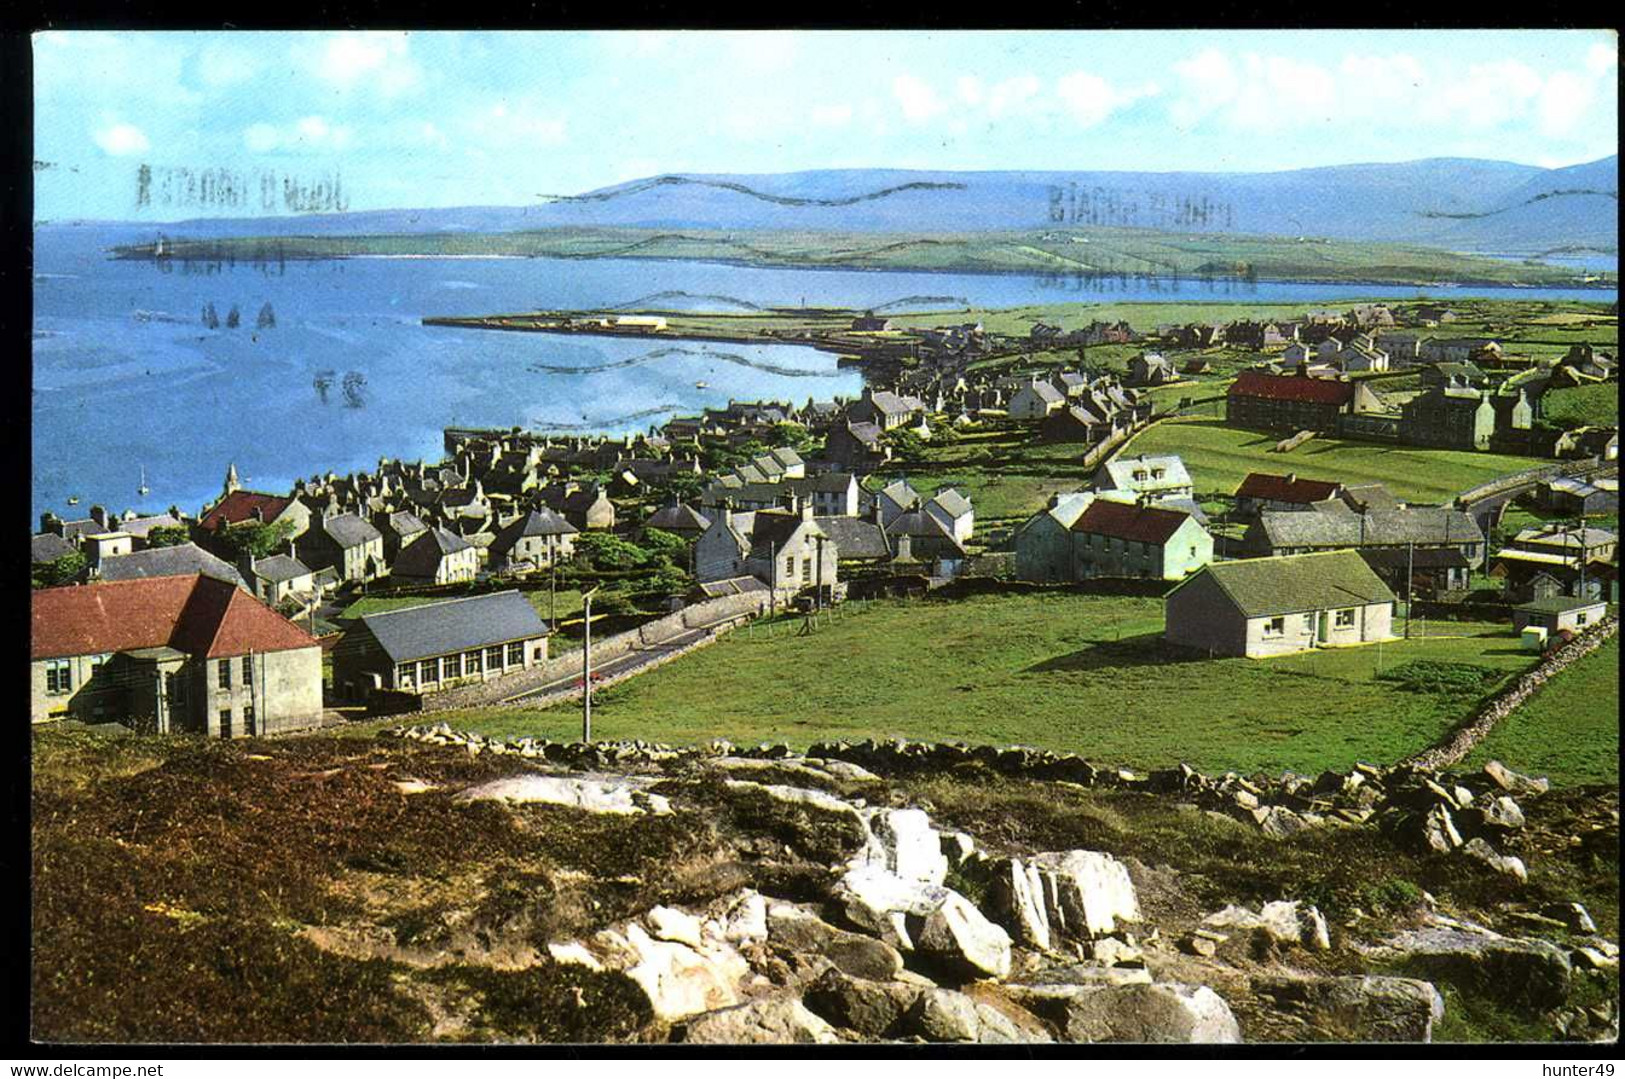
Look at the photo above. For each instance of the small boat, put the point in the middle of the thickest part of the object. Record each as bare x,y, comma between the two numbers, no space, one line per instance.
73,500
143,489
702,385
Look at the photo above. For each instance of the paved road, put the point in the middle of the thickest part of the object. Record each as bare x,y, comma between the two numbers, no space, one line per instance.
624,665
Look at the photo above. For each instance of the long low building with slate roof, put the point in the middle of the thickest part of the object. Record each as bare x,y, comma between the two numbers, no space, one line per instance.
1333,525
174,561
1271,606
439,645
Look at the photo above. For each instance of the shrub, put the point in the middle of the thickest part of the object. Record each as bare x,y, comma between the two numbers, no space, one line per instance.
1437,676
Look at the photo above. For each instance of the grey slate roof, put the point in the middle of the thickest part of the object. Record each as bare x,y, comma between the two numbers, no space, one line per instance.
952,503
422,557
182,559
680,517
279,568
48,547
1264,587
1333,524
455,625
349,530
854,537
406,524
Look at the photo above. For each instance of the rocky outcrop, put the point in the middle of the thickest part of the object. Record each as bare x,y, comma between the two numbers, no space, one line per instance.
1356,1008
1165,1012
1283,921
593,793
1516,970
773,1021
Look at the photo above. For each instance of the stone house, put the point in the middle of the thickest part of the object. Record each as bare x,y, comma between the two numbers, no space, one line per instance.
953,510
177,561
277,578
1035,400
895,499
538,539
347,543
1272,606
186,654
1459,349
1151,369
398,529
785,549
1044,543
237,507
856,447
885,409
439,645
587,508
1137,539
436,557
1450,419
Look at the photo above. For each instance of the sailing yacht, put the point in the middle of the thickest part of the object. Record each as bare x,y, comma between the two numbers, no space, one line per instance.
143,489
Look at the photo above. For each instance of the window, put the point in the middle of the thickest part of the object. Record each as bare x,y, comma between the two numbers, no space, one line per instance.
448,668
1193,550
1580,618
428,671
96,662
806,570
248,719
471,662
225,722
1275,627
248,670
1344,619
405,675
790,566
516,654
493,658
223,673
59,676
539,653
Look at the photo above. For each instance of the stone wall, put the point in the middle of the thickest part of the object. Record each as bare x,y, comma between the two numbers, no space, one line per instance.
1461,741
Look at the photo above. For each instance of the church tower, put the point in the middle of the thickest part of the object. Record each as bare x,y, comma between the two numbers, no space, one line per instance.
231,478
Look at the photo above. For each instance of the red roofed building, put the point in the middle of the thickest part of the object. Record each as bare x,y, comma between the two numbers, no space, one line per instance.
1137,539
247,507
188,654
1292,402
1266,491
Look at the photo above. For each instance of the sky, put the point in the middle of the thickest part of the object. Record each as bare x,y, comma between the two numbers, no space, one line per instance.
377,120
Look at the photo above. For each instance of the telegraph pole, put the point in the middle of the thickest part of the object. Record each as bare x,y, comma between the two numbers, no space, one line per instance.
586,664
1410,583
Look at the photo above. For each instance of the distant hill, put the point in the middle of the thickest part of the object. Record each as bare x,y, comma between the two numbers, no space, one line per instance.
1470,205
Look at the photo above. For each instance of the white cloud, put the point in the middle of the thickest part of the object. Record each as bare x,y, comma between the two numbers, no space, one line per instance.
309,133
831,115
522,122
970,89
221,63
1564,102
1210,82
762,50
1011,94
918,99
1602,59
1091,99
120,139
375,58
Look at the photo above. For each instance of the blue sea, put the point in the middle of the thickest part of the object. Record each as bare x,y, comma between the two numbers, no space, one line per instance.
128,380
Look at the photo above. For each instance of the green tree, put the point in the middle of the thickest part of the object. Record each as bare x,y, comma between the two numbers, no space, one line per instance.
907,446
603,551
168,536
685,486
663,544
65,570
257,538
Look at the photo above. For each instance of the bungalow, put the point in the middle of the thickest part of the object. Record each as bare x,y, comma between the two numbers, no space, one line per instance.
1266,491
1035,400
1558,613
1580,496
436,557
187,653
1561,539
439,645
539,538
1270,606
1157,477
347,543
1137,539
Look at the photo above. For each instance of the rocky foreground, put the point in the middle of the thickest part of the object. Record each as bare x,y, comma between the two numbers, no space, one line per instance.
481,889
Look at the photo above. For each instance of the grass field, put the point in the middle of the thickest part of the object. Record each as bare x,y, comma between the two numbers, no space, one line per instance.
1054,669
1569,730
1574,406
1219,458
